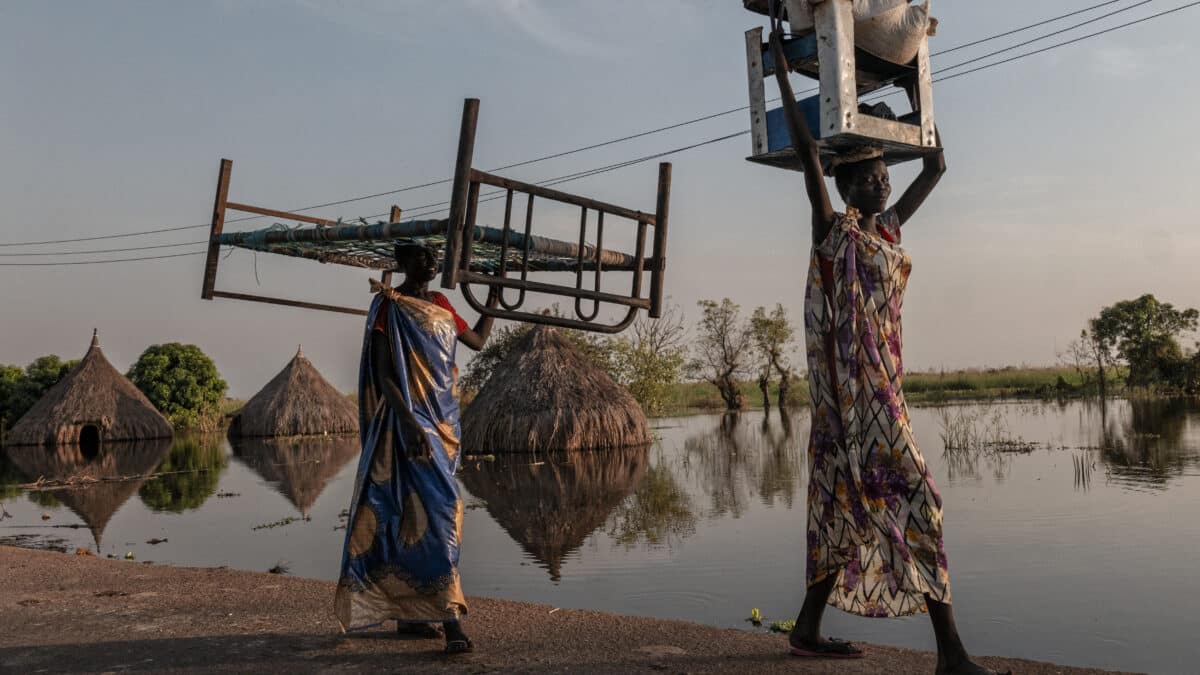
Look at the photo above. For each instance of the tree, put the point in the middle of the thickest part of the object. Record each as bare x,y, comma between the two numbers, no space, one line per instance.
1144,333
182,382
21,389
721,346
774,336
650,361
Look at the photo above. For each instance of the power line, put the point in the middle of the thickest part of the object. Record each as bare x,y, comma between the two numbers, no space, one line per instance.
1025,28
556,155
1056,45
677,125
104,250
98,262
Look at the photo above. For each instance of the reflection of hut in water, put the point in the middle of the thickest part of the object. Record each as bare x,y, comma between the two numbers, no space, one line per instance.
300,467
94,502
549,504
546,396
93,405
296,402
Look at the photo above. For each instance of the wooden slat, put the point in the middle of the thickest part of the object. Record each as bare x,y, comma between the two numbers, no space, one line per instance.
214,233
289,303
662,211
459,191
279,214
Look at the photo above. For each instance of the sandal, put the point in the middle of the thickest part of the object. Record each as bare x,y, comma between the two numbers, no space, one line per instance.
459,646
832,648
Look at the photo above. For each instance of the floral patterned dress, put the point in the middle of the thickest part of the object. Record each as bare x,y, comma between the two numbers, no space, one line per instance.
874,514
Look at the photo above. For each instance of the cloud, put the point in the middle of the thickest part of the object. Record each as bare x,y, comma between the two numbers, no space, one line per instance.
536,21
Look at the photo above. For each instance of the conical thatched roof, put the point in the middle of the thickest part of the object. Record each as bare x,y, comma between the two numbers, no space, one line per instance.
93,394
94,502
546,396
296,402
549,504
300,467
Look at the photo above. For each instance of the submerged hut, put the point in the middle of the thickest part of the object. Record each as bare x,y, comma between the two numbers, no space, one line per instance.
96,484
300,468
93,405
296,402
547,396
550,504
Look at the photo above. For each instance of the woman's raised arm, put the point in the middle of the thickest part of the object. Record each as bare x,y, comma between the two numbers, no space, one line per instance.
915,195
806,148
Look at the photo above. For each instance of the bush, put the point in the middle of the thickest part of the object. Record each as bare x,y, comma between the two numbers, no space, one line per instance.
182,382
20,389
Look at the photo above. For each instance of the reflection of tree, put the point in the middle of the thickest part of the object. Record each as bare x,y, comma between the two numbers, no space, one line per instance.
737,459
1146,443
657,511
299,467
782,467
191,472
550,503
10,478
100,484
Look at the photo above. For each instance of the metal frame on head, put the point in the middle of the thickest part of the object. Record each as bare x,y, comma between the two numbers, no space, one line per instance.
461,231
827,53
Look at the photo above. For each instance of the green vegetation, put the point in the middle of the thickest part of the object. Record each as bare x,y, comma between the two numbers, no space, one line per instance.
21,388
919,388
190,474
1144,335
183,383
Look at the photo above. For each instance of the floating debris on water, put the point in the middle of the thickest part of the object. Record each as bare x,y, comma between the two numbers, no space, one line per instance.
155,541
278,523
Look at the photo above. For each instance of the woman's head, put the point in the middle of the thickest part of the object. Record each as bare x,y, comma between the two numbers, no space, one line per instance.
864,184
419,263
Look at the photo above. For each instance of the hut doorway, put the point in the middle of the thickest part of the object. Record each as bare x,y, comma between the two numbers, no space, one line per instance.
89,441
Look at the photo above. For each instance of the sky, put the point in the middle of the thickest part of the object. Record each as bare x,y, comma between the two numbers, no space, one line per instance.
1070,183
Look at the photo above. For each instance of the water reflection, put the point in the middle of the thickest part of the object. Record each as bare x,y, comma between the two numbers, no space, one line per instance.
94,502
550,503
300,467
658,513
190,474
1147,442
737,459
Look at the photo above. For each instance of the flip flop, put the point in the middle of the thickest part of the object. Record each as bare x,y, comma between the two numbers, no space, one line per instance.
463,646
832,648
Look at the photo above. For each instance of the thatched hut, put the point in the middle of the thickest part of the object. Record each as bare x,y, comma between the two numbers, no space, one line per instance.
296,402
550,504
300,468
546,396
93,405
92,493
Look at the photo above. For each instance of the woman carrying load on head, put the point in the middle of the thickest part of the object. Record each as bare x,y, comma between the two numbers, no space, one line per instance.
874,515
404,532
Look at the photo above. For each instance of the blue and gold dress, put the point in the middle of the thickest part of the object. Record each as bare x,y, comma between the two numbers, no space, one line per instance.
400,559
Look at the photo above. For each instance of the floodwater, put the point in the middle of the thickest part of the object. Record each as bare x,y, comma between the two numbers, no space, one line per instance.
1071,530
